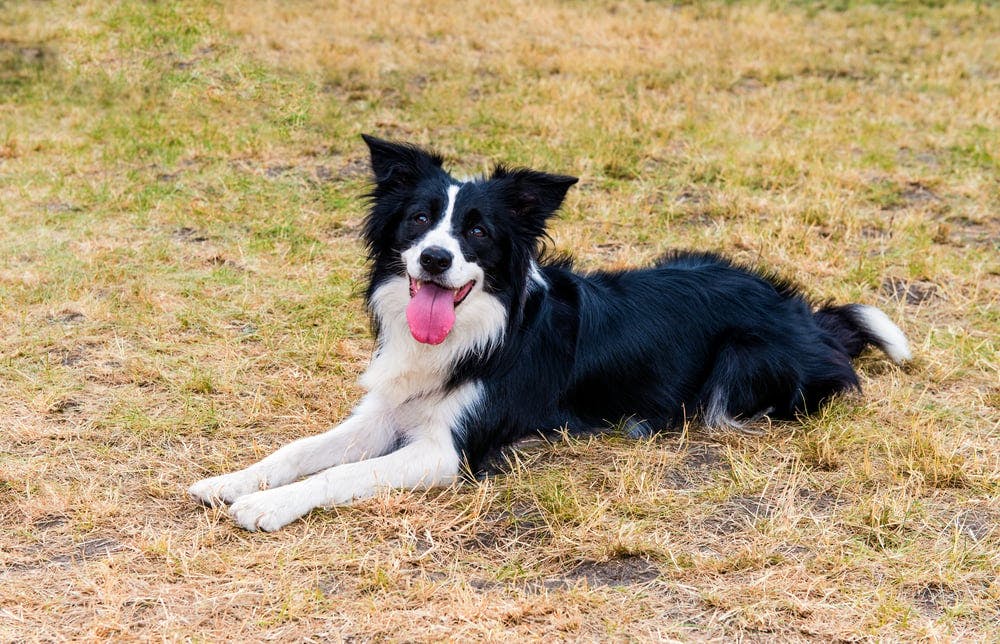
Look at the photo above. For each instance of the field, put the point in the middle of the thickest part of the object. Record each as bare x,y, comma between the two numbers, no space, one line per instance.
180,279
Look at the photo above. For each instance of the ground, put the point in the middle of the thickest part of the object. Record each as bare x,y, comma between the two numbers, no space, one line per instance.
180,197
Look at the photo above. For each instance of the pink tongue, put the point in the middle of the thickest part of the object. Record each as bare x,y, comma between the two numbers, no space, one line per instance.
431,313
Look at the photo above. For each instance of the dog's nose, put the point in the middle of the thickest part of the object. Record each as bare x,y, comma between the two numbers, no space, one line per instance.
435,260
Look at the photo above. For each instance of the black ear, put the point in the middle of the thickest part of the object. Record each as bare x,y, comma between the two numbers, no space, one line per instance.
532,196
399,163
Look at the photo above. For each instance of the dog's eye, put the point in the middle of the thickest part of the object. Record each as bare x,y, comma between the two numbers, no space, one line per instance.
477,231
421,218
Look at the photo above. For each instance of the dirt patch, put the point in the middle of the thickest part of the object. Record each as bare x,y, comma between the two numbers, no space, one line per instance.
679,480
356,168
188,234
69,357
220,261
64,406
962,231
907,156
506,527
892,195
188,63
700,463
332,585
933,599
50,521
738,513
976,524
66,316
350,229
351,170
274,171
99,548
912,292
243,328
20,59
917,193
746,85
622,571
794,552
61,206
73,356
819,502
830,73
705,456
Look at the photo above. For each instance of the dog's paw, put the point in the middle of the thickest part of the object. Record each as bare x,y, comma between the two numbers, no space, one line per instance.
224,489
268,510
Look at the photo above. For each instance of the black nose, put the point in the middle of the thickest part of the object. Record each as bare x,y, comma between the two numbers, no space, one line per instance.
435,260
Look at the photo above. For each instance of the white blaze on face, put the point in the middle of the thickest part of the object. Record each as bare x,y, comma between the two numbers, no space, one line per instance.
461,271
434,299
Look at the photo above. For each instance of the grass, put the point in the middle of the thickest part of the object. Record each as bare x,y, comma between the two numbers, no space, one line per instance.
179,280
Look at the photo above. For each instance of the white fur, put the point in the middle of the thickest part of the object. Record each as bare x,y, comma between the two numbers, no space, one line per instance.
891,338
461,271
367,433
402,367
715,412
535,276
716,416
406,405
354,460
428,459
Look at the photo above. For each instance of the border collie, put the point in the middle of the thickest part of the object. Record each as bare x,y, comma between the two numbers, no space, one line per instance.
481,341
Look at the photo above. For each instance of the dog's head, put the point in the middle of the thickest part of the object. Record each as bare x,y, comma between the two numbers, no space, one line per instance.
454,242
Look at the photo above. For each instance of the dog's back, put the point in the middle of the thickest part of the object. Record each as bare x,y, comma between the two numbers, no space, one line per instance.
692,337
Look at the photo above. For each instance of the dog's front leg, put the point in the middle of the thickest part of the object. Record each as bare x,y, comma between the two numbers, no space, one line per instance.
427,462
367,433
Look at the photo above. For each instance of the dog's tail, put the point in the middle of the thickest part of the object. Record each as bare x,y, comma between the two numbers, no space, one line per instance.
856,326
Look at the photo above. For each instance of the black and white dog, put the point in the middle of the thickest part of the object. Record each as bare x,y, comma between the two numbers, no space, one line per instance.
481,342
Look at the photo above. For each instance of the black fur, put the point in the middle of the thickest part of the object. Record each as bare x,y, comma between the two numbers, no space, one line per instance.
694,335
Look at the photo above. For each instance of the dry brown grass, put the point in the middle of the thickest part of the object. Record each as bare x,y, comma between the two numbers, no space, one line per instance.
179,272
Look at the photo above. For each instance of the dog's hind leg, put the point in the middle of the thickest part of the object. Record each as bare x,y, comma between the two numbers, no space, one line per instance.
367,433
748,380
779,377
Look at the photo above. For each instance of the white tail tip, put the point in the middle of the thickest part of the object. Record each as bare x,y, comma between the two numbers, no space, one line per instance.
888,336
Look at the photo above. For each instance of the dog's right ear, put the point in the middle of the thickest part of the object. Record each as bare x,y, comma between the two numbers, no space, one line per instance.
399,164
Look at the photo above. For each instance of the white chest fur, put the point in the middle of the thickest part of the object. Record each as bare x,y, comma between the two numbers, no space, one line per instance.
404,369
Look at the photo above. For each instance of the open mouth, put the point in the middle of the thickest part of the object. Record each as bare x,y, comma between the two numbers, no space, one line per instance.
431,311
459,293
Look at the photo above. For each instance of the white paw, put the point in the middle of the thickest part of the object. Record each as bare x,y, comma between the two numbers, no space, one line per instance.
225,489
269,510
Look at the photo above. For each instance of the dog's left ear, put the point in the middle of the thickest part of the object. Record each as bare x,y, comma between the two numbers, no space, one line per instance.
399,164
532,196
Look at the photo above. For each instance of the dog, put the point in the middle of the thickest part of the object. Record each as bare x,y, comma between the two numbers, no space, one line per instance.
482,340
